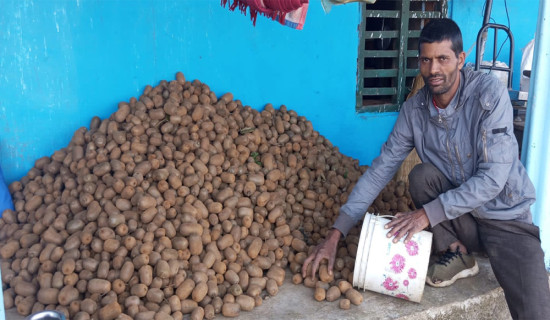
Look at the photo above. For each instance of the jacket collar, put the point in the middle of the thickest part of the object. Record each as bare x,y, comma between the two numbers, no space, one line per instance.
465,88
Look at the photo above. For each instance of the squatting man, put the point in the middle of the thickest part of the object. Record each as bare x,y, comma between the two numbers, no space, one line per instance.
471,190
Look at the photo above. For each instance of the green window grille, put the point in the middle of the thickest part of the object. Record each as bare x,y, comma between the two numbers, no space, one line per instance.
388,50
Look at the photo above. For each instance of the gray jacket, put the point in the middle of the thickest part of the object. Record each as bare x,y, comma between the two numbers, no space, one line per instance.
471,142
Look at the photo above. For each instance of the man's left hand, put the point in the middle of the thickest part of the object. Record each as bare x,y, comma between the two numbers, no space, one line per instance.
407,223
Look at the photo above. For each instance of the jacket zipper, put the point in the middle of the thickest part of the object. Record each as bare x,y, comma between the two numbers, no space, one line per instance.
460,164
484,138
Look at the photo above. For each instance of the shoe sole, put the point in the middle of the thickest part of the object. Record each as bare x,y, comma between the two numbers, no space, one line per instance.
462,274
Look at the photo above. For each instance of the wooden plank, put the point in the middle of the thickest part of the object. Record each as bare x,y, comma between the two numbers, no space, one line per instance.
380,73
403,43
360,60
382,14
444,8
379,54
380,34
414,33
411,72
387,107
424,14
378,91
412,53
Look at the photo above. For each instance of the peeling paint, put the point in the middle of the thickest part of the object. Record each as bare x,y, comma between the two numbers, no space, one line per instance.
45,48
56,24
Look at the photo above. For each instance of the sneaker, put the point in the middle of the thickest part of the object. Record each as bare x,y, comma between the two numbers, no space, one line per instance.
450,267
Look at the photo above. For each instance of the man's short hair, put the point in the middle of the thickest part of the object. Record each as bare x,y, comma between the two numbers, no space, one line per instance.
438,30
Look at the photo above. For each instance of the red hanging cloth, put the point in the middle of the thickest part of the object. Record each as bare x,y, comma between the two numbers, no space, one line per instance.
274,9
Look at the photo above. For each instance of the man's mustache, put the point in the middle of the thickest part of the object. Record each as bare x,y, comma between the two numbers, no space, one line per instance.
437,76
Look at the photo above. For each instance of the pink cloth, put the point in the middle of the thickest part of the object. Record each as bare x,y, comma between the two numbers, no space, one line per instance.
291,13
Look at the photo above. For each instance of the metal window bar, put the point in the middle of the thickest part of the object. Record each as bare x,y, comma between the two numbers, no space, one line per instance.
382,86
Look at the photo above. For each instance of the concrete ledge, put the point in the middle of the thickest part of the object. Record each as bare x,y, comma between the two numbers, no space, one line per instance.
487,306
477,298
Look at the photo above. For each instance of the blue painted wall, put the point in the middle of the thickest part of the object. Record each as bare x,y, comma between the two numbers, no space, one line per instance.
62,62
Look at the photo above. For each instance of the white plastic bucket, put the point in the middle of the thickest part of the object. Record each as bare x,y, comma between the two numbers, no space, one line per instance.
395,269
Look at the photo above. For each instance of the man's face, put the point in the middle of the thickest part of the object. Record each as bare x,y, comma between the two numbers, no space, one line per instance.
440,67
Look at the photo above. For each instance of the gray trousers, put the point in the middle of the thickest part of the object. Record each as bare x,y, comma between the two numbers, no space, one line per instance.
513,247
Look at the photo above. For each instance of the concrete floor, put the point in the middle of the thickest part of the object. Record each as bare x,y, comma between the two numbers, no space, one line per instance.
479,297
474,298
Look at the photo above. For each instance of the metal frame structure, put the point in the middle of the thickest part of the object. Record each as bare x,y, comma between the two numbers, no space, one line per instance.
481,39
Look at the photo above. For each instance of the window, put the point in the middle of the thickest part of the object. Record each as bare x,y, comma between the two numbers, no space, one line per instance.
388,50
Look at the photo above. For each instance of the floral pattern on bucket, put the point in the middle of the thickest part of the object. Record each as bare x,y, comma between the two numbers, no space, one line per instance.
412,247
390,284
402,296
412,273
397,263
399,277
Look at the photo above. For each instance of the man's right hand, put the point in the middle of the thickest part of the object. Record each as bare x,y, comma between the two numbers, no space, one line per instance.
325,250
